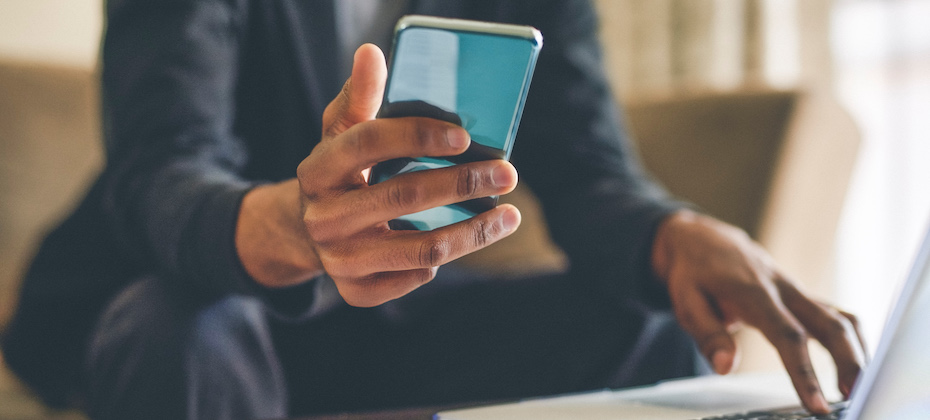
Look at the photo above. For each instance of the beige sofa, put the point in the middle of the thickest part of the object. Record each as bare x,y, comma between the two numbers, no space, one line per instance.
775,163
49,151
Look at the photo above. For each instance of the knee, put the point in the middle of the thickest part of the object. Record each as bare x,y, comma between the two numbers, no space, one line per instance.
228,332
232,368
156,353
142,318
148,317
135,354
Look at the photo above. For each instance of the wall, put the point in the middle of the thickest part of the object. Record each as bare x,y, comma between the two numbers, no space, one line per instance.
64,32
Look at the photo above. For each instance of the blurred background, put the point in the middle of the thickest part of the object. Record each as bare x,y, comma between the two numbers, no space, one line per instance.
807,122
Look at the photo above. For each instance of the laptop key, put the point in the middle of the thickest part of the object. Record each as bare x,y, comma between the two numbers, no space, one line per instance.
836,413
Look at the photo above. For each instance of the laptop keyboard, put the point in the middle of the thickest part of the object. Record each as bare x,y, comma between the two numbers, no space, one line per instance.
785,414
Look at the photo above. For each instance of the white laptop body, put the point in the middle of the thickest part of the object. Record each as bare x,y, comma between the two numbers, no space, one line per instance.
895,386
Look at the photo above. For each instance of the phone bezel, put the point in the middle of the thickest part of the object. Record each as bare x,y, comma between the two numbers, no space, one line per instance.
506,29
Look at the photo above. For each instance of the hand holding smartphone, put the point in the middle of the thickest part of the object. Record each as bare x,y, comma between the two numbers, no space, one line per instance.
473,74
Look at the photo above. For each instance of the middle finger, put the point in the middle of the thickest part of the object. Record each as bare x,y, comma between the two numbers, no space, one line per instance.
789,337
422,190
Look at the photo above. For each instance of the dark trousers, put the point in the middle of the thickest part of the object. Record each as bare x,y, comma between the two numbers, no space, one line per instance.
159,352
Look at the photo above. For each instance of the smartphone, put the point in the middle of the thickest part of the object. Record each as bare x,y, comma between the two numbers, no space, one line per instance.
474,74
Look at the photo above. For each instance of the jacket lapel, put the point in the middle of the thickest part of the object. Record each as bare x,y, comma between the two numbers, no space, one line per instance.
314,41
310,27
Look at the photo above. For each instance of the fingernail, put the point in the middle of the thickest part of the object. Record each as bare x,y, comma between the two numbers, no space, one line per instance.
457,137
502,176
510,220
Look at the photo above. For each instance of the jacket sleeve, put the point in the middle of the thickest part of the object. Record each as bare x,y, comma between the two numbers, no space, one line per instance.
173,184
602,208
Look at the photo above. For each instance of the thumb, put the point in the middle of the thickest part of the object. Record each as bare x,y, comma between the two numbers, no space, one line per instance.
361,95
699,319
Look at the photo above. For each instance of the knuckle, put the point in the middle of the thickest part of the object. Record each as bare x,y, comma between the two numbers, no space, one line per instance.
807,370
425,134
433,252
335,266
321,227
308,172
813,389
421,134
335,113
422,276
339,269
483,233
468,181
835,328
357,140
403,196
314,227
335,272
755,294
345,92
304,172
793,336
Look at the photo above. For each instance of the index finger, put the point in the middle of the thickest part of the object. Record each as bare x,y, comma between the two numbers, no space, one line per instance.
833,329
790,339
340,160
390,138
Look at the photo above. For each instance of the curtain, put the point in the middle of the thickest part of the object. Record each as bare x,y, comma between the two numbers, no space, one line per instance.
882,51
663,47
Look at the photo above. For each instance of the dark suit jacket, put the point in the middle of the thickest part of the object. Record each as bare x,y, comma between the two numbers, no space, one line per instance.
205,99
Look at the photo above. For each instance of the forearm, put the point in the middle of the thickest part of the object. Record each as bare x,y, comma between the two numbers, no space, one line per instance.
181,219
271,240
174,179
608,232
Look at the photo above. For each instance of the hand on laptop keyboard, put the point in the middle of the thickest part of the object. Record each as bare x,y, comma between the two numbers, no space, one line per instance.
836,413
717,277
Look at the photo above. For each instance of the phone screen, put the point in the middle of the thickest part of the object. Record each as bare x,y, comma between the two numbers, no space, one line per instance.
475,79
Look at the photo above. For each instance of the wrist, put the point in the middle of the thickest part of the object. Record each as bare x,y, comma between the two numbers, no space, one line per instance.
663,244
271,240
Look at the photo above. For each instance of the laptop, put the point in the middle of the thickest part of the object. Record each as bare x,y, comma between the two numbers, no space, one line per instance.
896,385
